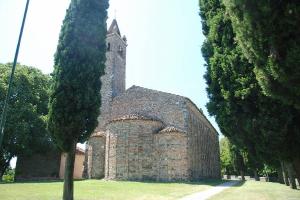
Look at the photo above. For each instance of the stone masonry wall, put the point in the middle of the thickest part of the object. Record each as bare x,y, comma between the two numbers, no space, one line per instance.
203,146
113,82
117,58
96,156
170,160
130,150
137,151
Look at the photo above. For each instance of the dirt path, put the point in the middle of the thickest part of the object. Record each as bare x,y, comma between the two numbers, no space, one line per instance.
204,195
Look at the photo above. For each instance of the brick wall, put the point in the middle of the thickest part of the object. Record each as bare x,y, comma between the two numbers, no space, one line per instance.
38,166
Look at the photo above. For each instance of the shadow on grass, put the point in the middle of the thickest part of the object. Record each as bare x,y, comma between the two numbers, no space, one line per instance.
210,182
39,181
241,183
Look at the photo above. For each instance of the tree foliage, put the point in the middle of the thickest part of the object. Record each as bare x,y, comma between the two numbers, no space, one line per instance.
265,127
227,162
79,63
25,130
268,34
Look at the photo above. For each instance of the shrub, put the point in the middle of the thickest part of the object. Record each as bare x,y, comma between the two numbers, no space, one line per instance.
9,175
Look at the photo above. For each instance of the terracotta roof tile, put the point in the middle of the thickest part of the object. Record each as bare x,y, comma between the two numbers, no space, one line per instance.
98,134
134,117
170,129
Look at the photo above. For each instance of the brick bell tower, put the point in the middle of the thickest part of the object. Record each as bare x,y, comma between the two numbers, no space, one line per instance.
113,84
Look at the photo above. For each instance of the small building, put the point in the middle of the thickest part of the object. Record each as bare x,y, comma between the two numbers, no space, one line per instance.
47,165
78,165
38,166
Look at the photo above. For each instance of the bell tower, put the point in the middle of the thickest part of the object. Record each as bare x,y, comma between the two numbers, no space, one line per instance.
113,82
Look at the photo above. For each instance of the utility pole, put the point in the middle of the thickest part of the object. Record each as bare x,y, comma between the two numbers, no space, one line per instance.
4,111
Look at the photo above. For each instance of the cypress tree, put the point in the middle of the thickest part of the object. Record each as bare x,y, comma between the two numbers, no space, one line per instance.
268,33
265,127
79,63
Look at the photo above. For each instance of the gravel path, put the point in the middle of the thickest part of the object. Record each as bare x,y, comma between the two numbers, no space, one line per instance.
204,195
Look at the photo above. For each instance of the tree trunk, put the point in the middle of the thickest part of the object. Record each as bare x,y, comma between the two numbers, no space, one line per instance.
2,170
296,165
280,175
285,174
291,175
242,175
4,164
254,163
68,176
85,173
240,165
256,175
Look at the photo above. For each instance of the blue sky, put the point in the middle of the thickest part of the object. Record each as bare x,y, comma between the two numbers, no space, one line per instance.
164,41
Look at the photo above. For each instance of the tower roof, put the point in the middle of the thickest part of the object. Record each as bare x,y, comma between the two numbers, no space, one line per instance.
114,28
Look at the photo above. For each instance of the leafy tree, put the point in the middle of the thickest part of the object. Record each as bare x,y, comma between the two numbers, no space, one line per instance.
79,63
227,163
25,131
268,33
9,175
232,159
267,171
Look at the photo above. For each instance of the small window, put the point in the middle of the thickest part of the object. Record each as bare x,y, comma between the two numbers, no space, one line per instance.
108,47
120,51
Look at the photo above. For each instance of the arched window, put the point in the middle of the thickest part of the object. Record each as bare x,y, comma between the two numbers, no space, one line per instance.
108,47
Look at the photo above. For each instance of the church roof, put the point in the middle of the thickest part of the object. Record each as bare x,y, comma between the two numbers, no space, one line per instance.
98,134
114,28
170,129
134,117
135,92
147,90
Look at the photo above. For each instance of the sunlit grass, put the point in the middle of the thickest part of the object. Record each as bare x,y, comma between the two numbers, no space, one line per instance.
103,190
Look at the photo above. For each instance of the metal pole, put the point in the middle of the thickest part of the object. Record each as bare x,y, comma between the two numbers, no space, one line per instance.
4,112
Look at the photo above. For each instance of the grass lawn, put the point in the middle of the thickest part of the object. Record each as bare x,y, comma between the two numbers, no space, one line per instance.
102,190
253,190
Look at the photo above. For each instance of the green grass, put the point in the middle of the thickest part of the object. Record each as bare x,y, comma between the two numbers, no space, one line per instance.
252,190
102,190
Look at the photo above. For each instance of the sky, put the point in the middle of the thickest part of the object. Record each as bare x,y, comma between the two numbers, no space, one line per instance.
164,41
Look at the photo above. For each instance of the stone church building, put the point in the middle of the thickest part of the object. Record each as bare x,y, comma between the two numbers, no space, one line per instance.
145,134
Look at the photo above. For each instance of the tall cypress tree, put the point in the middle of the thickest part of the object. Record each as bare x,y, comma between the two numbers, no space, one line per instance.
79,64
268,33
265,127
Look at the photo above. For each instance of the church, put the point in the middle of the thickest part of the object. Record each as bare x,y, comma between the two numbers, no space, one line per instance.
145,134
